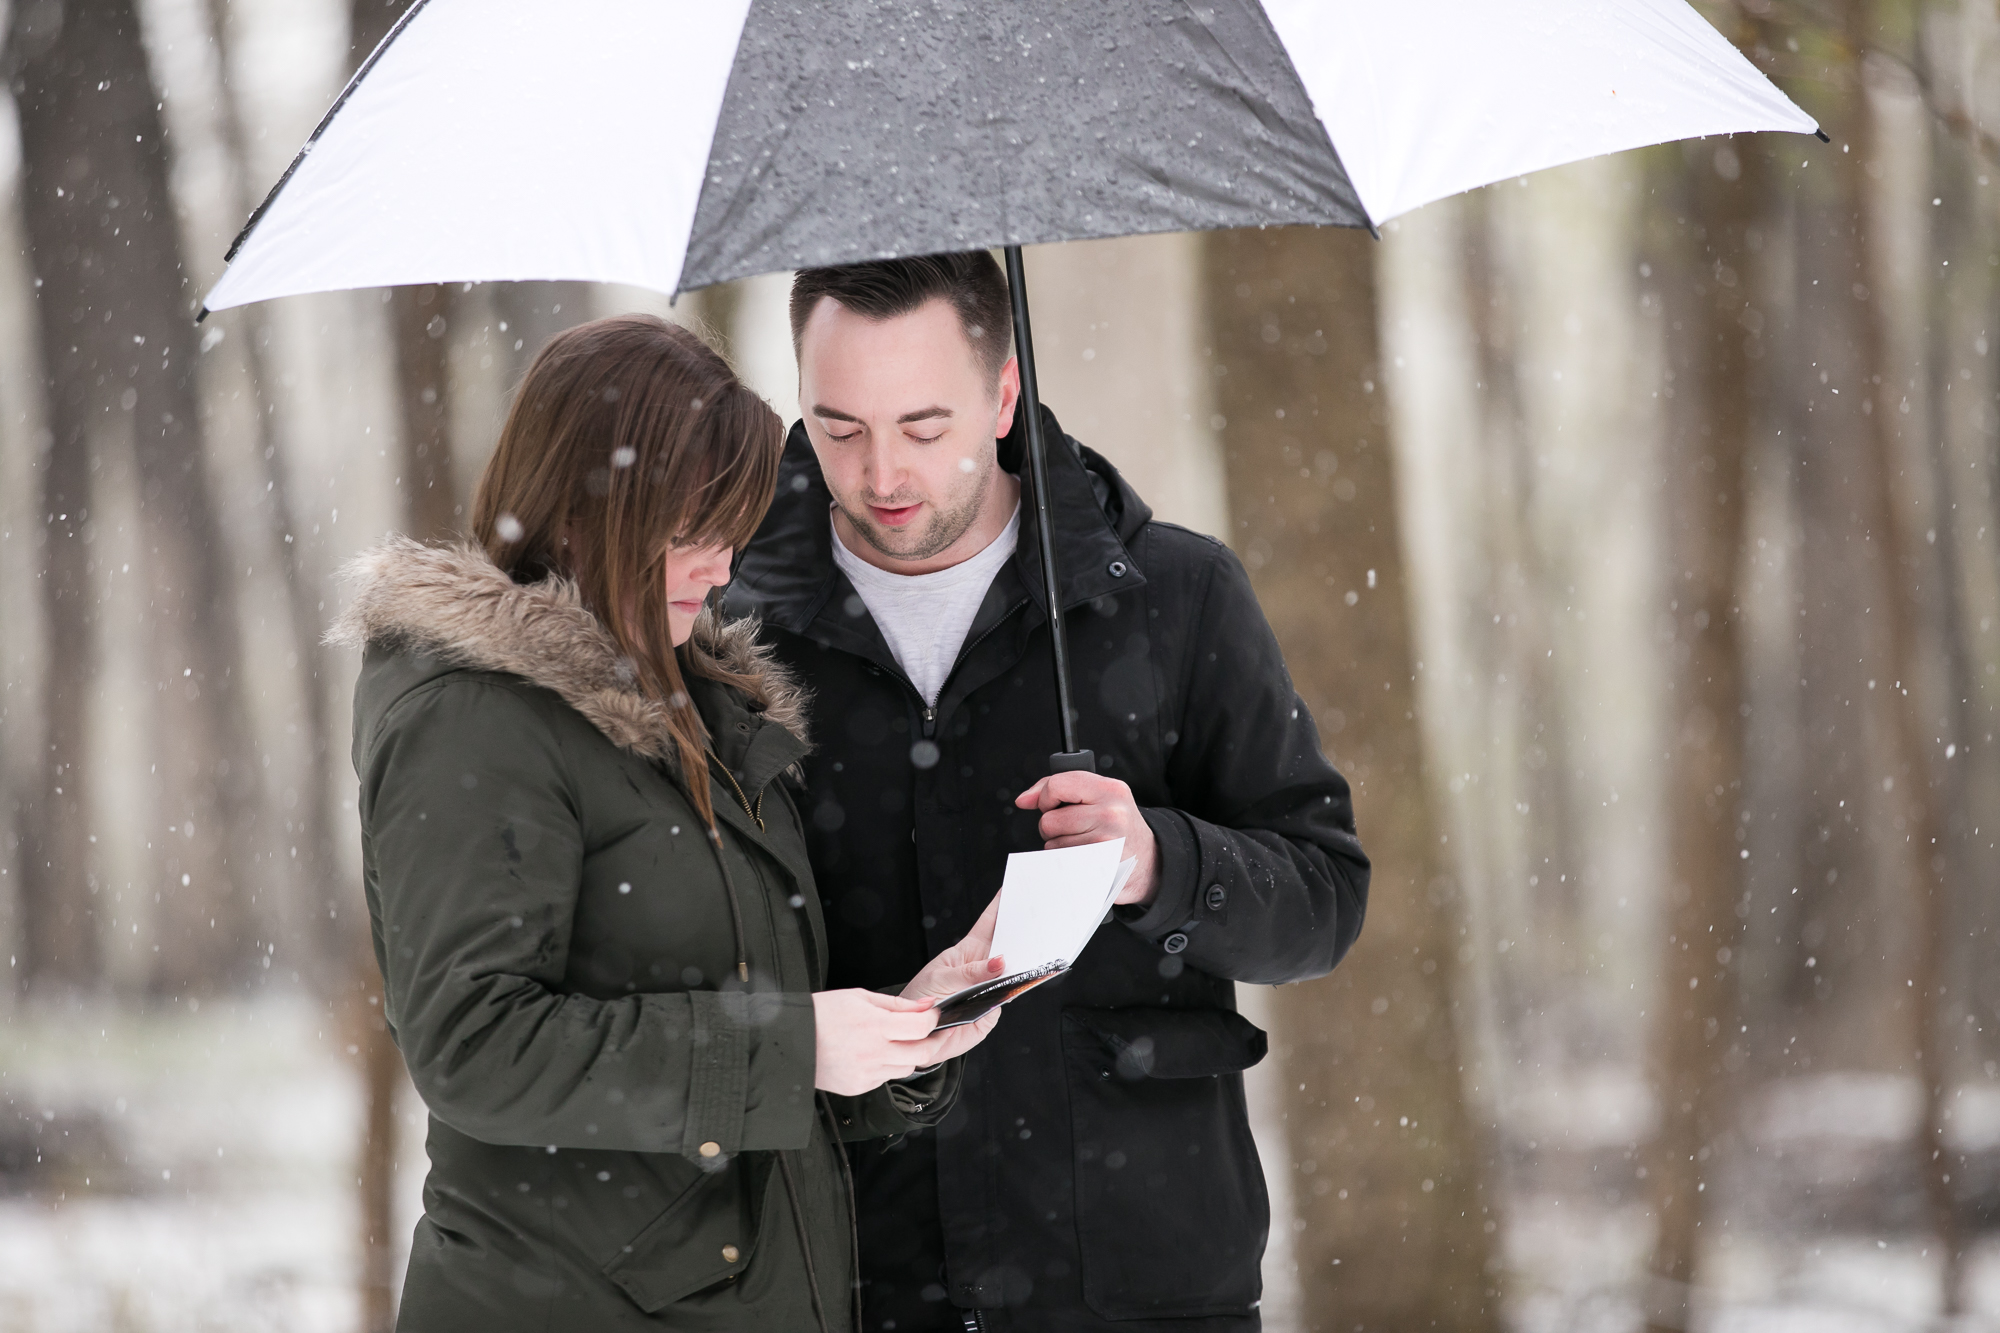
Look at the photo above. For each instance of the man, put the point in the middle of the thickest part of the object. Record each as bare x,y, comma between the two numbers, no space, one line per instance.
1098,1172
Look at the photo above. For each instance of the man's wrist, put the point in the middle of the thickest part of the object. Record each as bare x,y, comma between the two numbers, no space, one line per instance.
1176,861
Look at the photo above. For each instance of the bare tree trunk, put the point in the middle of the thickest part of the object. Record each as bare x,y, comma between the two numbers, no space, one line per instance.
1392,1165
313,825
1846,905
420,319
1965,426
1909,565
1695,1034
59,944
1531,788
119,346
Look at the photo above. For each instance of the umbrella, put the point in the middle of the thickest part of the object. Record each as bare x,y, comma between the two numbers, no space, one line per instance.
672,145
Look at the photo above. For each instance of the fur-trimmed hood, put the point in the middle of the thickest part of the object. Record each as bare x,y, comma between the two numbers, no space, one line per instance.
453,603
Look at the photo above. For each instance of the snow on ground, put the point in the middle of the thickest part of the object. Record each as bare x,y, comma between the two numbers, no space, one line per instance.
1817,1226
195,1170
172,1171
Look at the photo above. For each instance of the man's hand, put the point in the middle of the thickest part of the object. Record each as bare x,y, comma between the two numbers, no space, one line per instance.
1082,808
863,1040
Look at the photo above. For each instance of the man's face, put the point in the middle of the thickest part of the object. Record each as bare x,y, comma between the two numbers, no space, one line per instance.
904,417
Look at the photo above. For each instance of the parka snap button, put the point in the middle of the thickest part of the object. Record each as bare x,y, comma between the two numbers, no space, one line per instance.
730,1254
1217,896
710,1149
1117,569
1174,943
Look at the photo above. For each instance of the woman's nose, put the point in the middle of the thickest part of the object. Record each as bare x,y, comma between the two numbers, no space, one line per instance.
715,570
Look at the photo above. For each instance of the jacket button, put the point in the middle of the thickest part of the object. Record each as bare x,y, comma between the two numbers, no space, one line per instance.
1117,569
1216,897
1174,943
714,1149
730,1254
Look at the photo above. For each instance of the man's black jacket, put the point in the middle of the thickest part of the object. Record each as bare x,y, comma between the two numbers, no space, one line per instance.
1099,1165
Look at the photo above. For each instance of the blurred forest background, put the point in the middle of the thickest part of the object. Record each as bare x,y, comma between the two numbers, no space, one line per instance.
1632,531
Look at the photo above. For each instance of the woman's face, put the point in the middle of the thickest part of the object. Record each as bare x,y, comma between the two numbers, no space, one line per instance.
692,572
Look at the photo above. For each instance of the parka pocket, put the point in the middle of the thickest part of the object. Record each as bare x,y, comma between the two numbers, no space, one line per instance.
1171,1211
707,1235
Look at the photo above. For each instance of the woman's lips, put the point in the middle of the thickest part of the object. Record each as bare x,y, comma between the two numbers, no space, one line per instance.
894,518
688,608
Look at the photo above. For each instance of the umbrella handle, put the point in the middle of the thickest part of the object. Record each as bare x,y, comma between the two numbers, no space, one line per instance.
1070,758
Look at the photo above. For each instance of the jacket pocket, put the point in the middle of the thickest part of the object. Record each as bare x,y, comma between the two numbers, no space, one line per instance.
1171,1212
707,1235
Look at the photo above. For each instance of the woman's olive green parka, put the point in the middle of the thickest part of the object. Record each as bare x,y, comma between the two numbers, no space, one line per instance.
623,1133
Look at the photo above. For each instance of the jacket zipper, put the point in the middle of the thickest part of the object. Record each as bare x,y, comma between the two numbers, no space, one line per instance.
756,812
930,710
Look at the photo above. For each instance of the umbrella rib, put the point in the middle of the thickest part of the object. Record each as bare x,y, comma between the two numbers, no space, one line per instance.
319,129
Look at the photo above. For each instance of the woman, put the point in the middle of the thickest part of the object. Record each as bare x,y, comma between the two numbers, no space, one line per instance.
588,884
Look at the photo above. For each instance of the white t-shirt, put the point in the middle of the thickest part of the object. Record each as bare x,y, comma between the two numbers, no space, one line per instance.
925,617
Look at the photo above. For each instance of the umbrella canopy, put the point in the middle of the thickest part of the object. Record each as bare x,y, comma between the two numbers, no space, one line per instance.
671,144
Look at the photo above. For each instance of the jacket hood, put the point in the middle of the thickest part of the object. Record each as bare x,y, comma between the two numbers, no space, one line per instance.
1117,505
454,604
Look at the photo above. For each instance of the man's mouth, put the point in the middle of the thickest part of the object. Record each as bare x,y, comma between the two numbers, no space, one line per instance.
894,517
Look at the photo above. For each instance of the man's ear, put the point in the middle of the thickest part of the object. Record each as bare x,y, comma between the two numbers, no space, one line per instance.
1010,394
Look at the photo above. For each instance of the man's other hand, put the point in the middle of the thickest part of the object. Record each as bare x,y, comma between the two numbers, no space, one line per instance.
1079,808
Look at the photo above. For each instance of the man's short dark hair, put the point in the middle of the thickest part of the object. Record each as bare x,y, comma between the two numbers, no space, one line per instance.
885,288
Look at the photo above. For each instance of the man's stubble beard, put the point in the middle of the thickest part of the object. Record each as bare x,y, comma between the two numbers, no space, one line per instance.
939,534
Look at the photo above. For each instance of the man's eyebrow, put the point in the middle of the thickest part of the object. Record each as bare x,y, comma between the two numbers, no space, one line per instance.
924,414
833,413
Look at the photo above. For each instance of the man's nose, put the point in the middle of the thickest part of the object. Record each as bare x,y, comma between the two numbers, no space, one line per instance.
883,467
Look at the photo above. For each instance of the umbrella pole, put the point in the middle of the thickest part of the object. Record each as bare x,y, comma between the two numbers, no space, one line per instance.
1069,758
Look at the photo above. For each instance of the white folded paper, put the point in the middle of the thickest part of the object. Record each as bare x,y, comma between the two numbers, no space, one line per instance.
1051,903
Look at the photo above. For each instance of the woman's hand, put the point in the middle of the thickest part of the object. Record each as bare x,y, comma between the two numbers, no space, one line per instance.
863,1040
963,964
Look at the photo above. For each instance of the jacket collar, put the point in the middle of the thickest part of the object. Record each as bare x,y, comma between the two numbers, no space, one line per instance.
787,575
454,604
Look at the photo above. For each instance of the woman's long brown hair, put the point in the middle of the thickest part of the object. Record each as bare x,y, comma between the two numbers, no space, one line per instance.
627,436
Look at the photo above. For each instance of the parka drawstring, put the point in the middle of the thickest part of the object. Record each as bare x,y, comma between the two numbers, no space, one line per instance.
722,864
735,905
805,1238
853,1221
756,815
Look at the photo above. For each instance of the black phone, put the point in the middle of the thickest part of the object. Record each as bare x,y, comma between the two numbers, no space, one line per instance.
975,1002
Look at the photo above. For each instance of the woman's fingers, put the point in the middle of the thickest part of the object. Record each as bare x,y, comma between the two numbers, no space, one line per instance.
893,1003
945,973
979,939
900,1029
951,980
954,1042
866,1039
